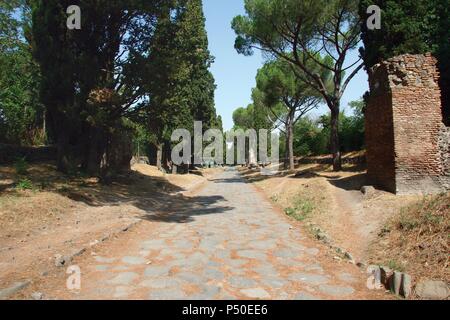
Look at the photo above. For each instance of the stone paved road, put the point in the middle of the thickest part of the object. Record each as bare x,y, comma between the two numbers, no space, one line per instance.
232,244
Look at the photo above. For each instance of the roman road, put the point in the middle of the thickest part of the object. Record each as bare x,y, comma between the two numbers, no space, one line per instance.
232,244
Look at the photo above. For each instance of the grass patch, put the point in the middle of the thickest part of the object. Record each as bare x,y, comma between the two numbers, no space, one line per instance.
395,265
417,239
25,184
302,208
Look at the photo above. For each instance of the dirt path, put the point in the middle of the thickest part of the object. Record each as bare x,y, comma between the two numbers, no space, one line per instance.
228,242
347,213
354,220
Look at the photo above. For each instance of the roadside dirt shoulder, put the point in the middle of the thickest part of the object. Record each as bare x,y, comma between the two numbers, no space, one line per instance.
62,216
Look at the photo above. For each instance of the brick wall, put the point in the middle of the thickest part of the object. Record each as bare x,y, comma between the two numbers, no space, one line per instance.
405,135
380,133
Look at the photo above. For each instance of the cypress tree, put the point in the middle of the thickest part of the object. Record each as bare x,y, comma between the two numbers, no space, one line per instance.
182,88
53,44
91,78
200,85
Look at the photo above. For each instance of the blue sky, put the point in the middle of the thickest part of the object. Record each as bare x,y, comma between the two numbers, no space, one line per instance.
235,73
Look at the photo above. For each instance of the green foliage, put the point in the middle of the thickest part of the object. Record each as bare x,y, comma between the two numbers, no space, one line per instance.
261,119
414,27
255,115
292,30
217,123
19,108
142,137
93,77
142,62
21,166
279,83
21,115
407,26
302,208
25,184
310,138
183,87
395,265
287,97
351,128
243,117
297,32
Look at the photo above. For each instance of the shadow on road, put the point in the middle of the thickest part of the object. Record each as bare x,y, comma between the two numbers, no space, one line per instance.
231,180
350,183
184,210
156,196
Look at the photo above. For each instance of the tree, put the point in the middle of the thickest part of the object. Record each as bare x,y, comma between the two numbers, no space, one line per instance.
200,84
10,25
255,116
297,31
182,90
310,138
287,98
261,113
21,115
351,127
243,118
311,135
406,27
162,85
414,27
51,46
91,78
112,45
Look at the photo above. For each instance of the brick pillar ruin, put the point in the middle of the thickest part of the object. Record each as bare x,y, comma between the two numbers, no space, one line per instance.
407,142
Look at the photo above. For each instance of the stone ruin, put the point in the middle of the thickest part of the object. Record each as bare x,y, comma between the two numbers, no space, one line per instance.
408,148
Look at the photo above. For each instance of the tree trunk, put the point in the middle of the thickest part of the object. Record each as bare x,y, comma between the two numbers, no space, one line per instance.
44,127
167,165
286,152
95,151
62,129
63,154
290,141
159,154
334,139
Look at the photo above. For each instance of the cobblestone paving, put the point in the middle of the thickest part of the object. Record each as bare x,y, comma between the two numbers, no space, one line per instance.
232,246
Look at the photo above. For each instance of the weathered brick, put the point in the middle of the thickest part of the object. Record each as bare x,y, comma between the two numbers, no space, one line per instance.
407,141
